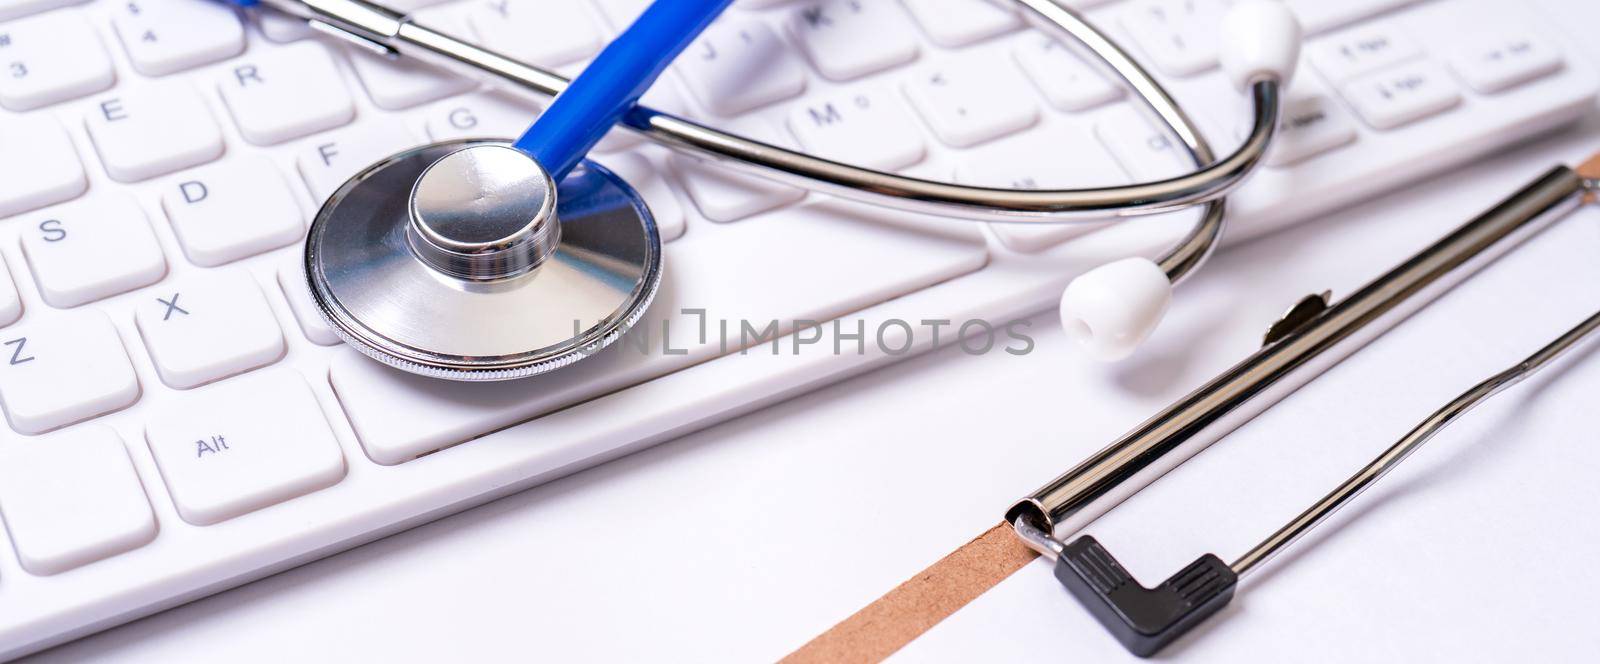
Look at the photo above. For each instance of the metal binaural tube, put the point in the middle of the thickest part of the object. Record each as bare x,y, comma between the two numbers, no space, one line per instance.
1213,179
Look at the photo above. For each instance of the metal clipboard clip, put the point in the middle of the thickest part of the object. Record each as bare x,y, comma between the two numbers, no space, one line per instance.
1314,335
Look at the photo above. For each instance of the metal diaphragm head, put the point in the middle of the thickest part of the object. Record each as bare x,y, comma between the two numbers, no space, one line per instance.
461,260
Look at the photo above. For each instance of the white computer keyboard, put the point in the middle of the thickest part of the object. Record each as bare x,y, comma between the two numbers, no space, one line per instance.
179,422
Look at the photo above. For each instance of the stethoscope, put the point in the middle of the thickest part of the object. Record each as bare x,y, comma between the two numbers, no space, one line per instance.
483,260
471,260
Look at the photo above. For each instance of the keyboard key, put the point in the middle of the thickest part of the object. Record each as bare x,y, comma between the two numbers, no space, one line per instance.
1362,51
870,128
282,28
235,209
542,32
1404,95
64,369
480,115
326,164
398,84
10,301
284,93
645,177
740,65
166,36
205,329
72,498
848,39
962,22
1067,82
91,249
1321,15
10,9
292,279
969,101
49,58
1310,126
51,173
742,272
1180,36
142,132
417,6
1033,160
620,13
1143,150
1499,63
242,445
722,195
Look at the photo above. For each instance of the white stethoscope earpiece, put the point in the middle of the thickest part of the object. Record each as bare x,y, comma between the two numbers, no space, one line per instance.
1260,39
1113,308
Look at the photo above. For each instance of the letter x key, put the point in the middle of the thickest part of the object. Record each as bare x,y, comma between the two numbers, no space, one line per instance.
172,305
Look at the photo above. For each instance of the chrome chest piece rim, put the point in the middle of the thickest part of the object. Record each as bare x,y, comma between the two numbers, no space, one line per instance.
419,283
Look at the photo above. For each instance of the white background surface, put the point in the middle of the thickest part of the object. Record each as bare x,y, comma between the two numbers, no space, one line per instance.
743,541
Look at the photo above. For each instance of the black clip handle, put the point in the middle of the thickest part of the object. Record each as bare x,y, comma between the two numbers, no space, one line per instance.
1145,620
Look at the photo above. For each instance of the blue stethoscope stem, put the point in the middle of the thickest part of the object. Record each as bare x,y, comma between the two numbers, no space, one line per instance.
611,84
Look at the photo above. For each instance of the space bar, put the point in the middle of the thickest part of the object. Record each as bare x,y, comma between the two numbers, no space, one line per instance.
813,263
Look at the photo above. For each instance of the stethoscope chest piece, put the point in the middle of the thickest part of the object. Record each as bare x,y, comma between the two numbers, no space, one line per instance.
410,257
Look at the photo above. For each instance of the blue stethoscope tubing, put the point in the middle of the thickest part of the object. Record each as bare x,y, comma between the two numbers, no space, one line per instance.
613,83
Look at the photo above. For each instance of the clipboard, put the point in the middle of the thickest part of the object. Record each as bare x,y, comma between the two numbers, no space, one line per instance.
1312,336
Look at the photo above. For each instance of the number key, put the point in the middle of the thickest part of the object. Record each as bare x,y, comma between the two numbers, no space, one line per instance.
50,58
166,36
10,9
